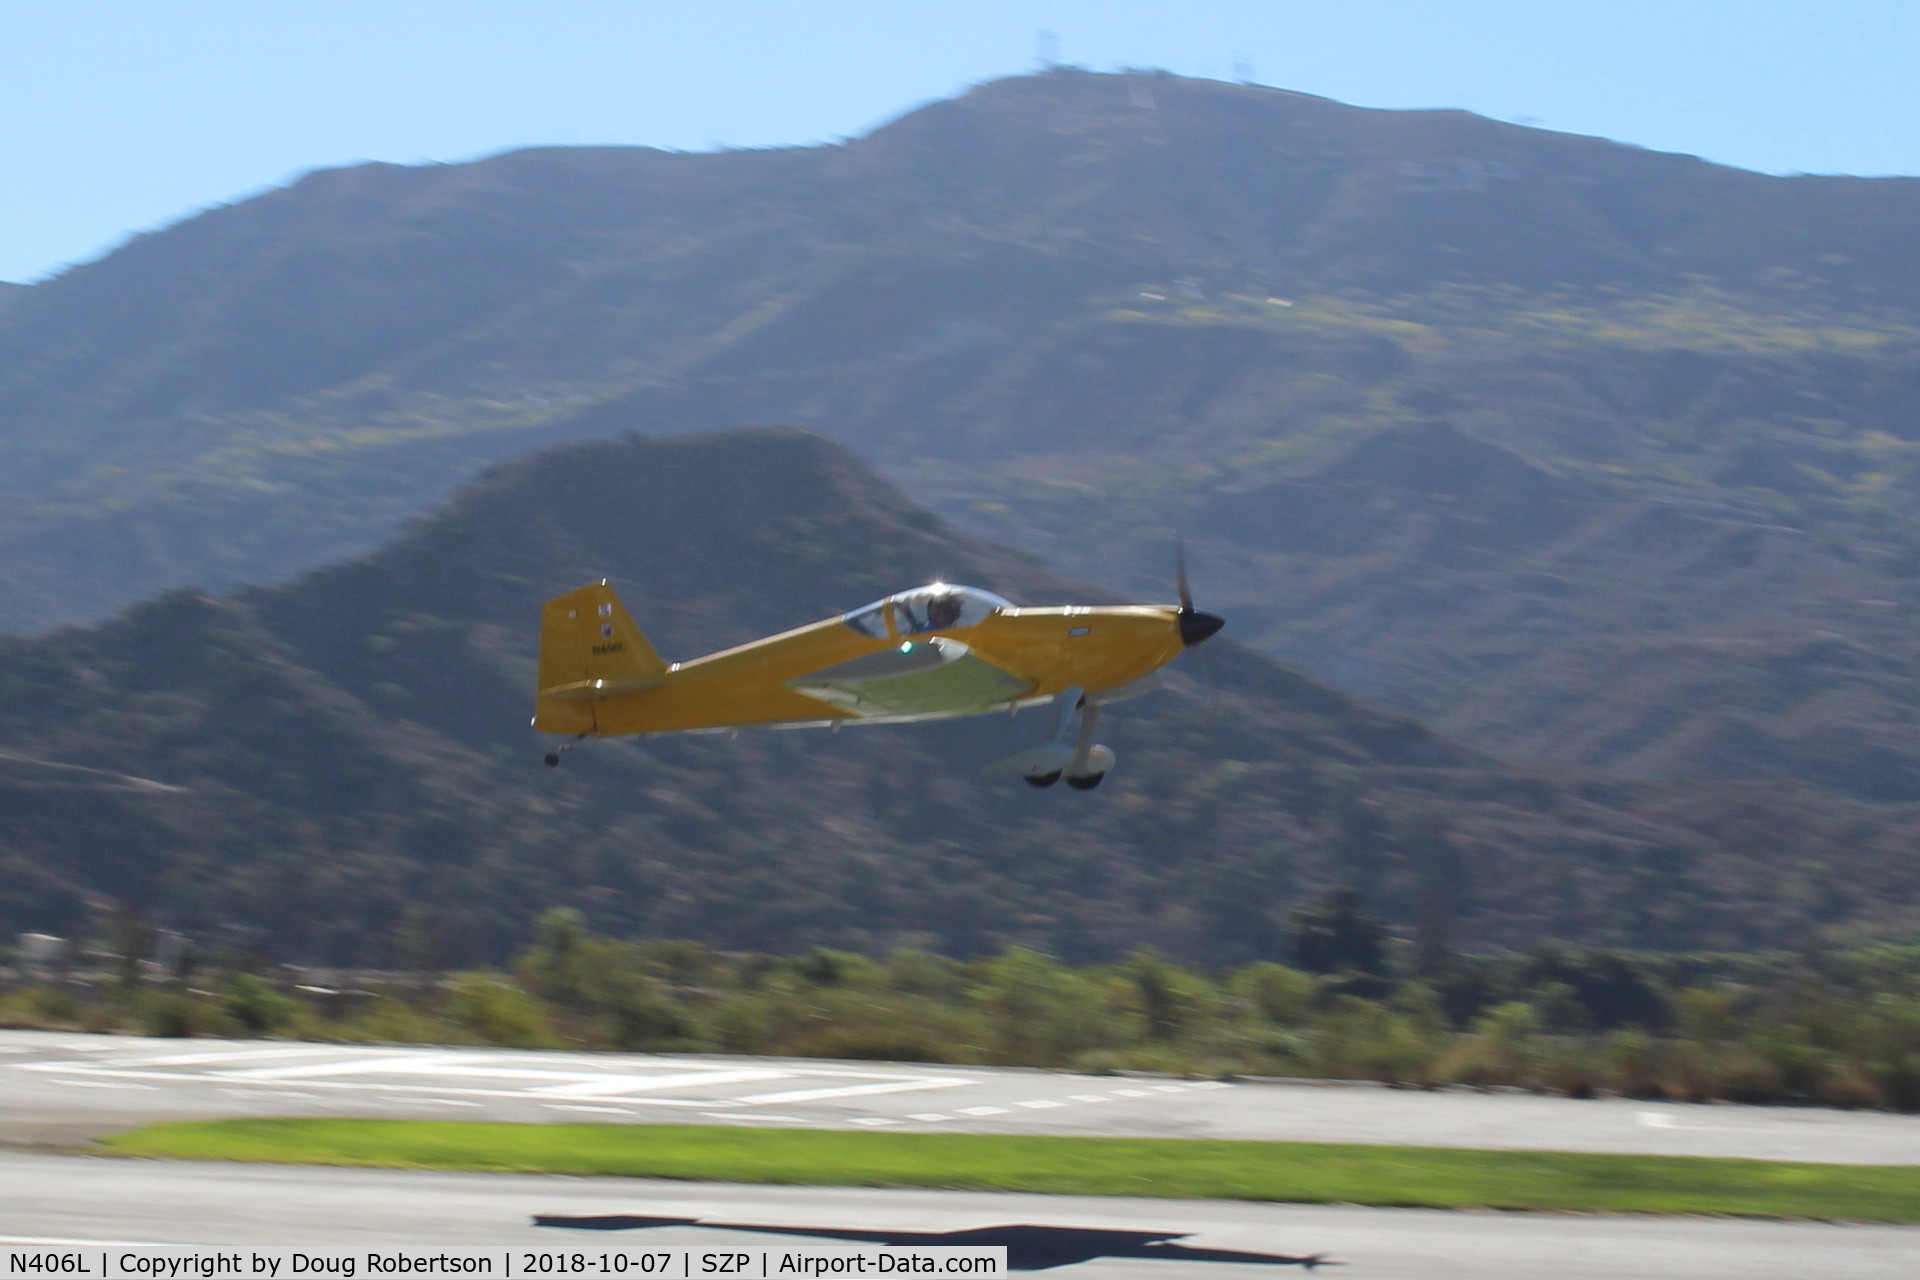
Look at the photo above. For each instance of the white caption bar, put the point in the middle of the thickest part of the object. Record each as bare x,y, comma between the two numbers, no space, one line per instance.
52,1261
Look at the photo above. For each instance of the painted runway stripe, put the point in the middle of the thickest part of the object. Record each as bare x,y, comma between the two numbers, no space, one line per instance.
855,1091
447,1062
187,1059
267,1076
256,1091
607,1085
522,1095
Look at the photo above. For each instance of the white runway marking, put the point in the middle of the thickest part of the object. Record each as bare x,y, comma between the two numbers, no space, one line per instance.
393,1066
855,1091
1661,1120
582,1085
450,1078
229,1055
293,1094
360,1085
465,1079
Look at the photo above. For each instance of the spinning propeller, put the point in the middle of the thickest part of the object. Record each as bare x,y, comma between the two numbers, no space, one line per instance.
1195,626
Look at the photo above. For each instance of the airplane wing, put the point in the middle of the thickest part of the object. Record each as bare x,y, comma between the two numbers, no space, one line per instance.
934,676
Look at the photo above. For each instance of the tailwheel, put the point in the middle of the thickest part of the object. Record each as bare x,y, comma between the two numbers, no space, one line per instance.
553,757
1087,783
1044,779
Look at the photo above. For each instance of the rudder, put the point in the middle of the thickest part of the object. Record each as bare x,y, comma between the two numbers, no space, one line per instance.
590,648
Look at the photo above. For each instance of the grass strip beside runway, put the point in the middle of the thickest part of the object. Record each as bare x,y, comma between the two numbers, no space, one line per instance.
1429,1177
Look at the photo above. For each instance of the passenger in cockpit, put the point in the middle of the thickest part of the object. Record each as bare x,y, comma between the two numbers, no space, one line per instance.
942,611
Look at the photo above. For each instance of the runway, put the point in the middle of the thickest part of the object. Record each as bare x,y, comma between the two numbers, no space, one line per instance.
68,1198
57,1087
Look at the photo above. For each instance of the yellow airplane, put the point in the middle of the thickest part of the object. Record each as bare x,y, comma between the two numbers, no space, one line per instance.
932,653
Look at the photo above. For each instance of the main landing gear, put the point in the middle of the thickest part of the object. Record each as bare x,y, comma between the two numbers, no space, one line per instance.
1073,757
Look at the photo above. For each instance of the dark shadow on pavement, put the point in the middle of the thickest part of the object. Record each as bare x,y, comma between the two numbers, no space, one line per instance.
1029,1247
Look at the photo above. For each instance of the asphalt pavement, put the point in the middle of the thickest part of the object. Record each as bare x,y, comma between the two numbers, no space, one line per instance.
57,1087
96,1200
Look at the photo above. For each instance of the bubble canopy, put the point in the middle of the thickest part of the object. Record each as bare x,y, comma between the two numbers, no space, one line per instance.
938,606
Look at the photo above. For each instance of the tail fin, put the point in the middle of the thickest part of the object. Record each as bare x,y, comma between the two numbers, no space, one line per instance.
589,649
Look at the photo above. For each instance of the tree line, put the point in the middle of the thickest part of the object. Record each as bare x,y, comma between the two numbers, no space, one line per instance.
1352,1002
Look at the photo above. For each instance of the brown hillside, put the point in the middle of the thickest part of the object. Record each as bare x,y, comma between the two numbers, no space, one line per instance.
340,768
1670,529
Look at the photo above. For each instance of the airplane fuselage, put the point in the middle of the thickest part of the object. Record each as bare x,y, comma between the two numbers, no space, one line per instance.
1014,656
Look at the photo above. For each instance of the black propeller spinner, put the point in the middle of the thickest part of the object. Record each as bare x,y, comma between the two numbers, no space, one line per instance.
1194,625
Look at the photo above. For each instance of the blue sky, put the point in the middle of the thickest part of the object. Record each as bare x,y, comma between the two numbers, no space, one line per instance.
120,115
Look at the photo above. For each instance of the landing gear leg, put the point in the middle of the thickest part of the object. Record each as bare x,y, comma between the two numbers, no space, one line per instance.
1069,754
1083,745
553,757
1065,704
1090,760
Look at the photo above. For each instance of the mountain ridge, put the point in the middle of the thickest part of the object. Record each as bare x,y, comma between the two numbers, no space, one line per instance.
354,781
1076,311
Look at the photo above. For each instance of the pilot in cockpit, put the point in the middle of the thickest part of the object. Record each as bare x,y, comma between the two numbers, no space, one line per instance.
943,611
